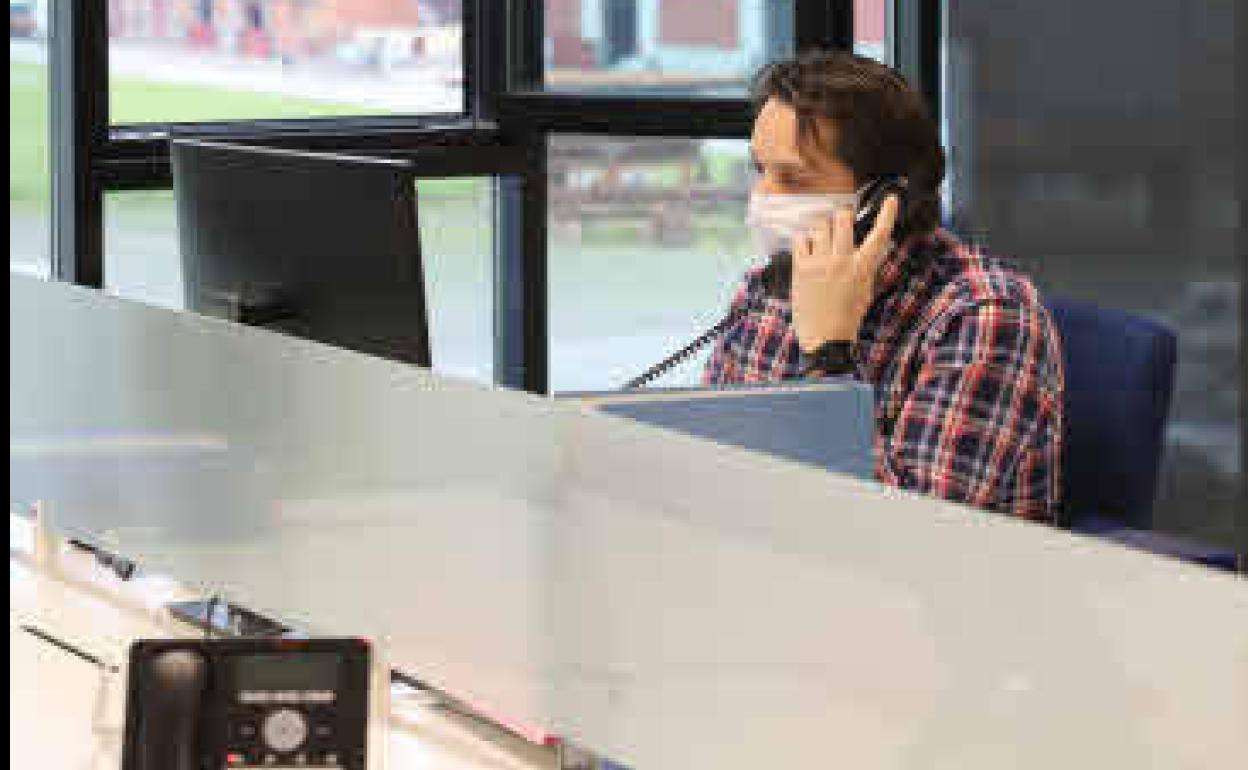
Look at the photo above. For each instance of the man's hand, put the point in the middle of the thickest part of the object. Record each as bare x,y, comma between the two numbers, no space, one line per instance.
833,282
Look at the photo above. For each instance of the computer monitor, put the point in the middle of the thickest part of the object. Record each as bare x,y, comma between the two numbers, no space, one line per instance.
316,245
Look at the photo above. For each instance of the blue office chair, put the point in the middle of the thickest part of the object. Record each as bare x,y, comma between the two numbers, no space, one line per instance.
1119,381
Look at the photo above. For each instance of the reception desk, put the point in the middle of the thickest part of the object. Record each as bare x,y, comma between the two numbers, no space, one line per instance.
655,598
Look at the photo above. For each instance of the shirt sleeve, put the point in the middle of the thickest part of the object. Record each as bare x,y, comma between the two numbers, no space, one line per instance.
974,426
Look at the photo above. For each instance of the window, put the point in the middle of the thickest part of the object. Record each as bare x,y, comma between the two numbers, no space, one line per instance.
211,60
456,238
709,47
873,29
30,194
141,255
1124,197
647,241
238,63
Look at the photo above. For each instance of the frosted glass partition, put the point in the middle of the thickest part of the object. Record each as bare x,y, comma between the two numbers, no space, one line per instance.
339,492
788,618
669,602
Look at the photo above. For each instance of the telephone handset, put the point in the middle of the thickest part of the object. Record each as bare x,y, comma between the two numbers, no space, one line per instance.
171,693
777,277
247,703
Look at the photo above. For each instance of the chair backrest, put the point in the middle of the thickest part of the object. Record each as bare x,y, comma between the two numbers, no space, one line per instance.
1119,380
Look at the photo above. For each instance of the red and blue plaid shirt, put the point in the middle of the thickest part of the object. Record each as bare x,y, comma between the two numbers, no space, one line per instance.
966,366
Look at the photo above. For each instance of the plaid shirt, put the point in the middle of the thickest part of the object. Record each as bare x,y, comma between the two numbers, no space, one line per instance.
967,371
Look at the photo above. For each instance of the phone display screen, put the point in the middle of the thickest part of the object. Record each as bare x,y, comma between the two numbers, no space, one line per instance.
287,671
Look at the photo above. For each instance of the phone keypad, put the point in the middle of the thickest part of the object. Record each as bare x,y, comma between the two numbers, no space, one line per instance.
281,729
273,735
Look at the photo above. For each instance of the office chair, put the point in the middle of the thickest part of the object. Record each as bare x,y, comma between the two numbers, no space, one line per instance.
1119,381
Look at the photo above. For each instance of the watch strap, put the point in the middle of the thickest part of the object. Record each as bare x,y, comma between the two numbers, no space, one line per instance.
832,358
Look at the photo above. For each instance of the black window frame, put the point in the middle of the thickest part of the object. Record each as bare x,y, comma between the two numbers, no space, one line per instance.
502,132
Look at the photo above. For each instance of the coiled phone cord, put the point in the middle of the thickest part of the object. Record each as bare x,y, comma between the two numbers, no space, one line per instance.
774,278
699,342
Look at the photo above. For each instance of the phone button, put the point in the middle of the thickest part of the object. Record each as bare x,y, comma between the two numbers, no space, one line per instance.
285,730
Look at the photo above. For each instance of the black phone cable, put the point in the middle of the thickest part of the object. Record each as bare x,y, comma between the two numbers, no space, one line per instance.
701,341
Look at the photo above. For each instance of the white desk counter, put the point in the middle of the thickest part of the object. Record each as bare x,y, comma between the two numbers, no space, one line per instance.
65,713
666,602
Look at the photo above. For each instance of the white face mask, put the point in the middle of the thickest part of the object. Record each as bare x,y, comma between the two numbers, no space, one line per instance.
775,220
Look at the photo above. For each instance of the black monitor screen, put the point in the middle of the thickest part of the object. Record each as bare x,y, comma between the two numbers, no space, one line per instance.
320,246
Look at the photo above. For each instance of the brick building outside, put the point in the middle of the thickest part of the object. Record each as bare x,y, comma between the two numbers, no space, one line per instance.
709,38
291,29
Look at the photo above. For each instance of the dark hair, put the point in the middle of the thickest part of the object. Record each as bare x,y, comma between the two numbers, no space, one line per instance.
882,125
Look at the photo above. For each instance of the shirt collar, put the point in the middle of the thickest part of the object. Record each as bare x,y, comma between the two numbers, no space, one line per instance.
894,276
904,259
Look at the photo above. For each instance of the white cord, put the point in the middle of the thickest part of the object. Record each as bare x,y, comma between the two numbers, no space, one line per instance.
107,721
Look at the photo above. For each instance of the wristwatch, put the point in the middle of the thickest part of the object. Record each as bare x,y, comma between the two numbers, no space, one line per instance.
830,359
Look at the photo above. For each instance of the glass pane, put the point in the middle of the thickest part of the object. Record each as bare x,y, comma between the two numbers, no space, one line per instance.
141,262
141,248
873,29
647,243
30,190
205,60
712,46
457,241
1122,196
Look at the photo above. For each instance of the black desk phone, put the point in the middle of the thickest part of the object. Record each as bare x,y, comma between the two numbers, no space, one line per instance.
209,704
777,277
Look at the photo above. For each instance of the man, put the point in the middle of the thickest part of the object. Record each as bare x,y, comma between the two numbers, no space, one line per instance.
963,357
